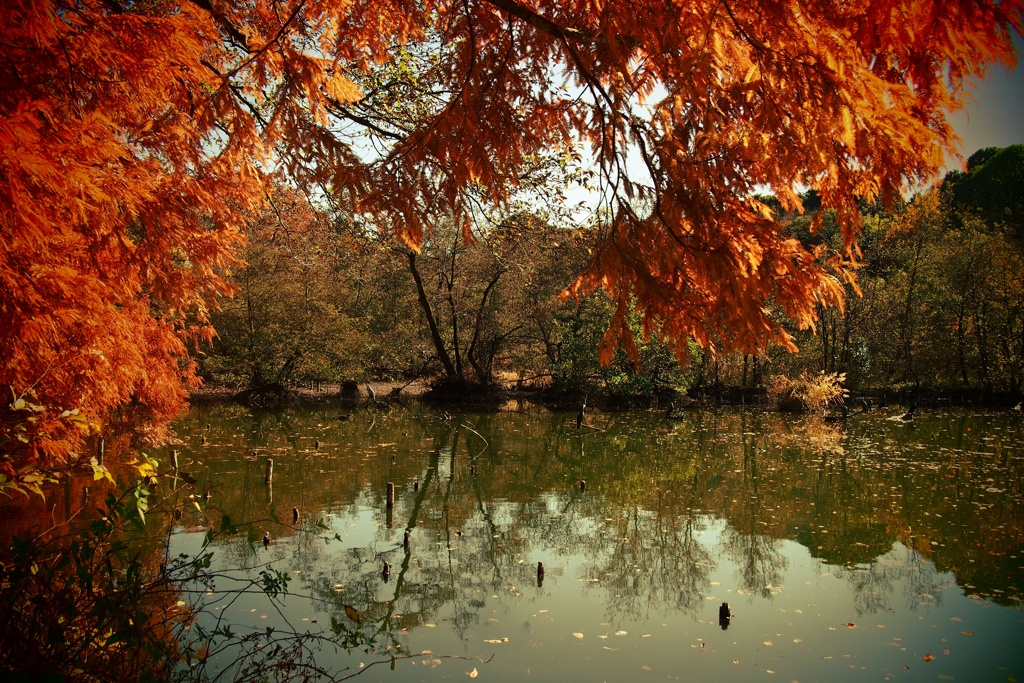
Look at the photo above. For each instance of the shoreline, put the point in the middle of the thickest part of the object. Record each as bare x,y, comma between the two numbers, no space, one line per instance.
495,397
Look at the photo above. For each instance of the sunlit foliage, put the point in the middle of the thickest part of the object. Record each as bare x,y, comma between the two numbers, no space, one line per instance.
135,135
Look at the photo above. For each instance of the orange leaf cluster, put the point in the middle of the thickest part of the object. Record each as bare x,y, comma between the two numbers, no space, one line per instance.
121,202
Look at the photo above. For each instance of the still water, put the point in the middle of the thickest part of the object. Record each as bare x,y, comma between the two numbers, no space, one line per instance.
863,551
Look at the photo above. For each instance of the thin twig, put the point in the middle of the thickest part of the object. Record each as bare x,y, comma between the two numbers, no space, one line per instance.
486,443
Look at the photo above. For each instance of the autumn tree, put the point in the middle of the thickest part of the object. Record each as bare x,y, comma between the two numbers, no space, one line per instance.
289,319
487,303
949,315
121,195
135,135
940,294
990,187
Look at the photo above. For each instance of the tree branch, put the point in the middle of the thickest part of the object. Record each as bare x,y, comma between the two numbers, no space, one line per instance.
237,38
544,24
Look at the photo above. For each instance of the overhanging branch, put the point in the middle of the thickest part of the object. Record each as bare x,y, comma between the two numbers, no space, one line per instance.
543,23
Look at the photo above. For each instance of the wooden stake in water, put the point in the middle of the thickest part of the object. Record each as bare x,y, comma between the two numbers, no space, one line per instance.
391,495
174,460
270,471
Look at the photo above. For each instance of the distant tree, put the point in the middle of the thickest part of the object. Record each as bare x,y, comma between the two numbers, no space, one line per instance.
488,301
288,322
992,187
943,299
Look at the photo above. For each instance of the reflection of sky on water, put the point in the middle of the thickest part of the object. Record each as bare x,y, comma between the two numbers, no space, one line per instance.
820,622
633,576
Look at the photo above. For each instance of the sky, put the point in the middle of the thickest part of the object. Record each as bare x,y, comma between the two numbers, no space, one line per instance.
996,117
993,116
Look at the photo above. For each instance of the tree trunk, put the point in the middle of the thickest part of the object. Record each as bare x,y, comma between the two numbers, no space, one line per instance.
471,352
435,334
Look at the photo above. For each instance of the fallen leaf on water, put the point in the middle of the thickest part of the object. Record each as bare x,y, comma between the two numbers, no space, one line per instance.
353,614
850,624
472,674
620,633
929,657
578,635
611,649
768,643
645,667
967,633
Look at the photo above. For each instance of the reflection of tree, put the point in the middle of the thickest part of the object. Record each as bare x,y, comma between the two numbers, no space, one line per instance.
847,496
758,555
873,585
654,563
761,562
358,581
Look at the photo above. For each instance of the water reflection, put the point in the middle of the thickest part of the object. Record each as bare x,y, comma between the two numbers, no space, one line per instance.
871,518
949,486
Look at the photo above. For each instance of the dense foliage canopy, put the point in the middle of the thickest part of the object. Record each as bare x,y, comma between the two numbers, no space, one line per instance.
136,136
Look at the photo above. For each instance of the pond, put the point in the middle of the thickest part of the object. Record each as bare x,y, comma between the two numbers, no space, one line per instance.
871,549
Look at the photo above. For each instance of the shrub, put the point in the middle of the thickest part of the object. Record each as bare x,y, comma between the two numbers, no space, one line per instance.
807,393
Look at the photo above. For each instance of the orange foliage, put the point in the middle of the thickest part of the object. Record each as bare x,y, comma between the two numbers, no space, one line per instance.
134,136
120,205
